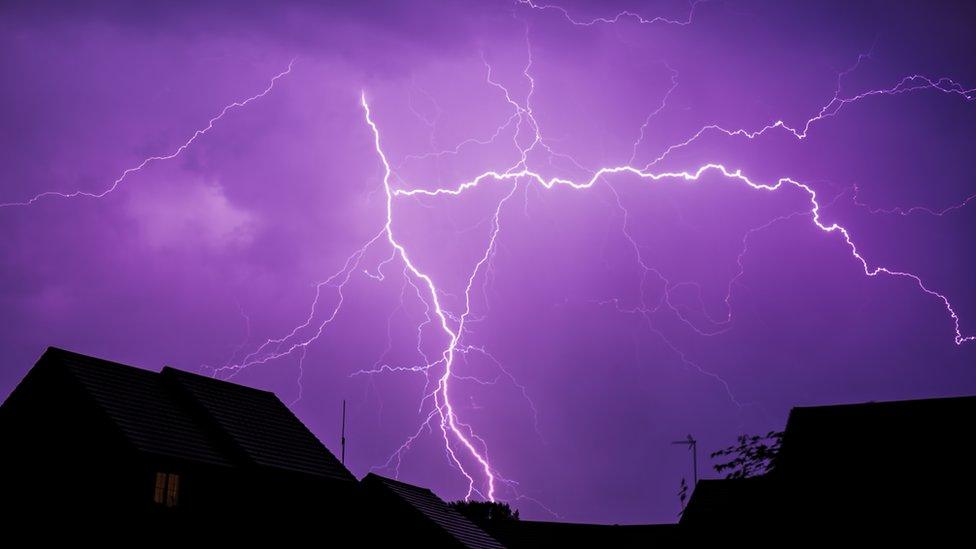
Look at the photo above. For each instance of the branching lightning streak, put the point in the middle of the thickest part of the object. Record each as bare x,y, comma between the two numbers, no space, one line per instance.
149,160
912,209
908,84
521,172
695,175
276,348
616,18
449,421
655,112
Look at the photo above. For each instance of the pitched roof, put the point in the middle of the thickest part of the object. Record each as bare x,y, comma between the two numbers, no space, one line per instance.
260,426
137,402
435,510
189,416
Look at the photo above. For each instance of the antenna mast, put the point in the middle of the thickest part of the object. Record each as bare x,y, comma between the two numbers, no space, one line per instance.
693,446
342,440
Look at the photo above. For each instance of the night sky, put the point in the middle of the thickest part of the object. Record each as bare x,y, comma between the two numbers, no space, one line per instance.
546,330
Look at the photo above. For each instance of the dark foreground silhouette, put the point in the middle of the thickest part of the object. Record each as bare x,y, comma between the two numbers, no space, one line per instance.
118,448
879,469
115,447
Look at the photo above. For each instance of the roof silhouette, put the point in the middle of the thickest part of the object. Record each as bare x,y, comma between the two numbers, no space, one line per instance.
435,510
90,435
540,534
259,426
864,430
189,416
874,466
726,501
137,402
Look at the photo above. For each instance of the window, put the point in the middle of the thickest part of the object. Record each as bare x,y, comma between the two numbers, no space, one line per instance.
167,489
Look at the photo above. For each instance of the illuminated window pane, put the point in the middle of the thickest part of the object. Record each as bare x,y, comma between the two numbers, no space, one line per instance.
167,489
173,490
160,490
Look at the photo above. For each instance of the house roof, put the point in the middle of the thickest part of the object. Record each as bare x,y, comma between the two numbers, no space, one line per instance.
529,533
737,501
139,404
870,438
864,462
189,416
260,426
928,410
435,510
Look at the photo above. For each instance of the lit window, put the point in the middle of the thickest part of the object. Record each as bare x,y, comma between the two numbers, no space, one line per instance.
160,493
172,490
167,489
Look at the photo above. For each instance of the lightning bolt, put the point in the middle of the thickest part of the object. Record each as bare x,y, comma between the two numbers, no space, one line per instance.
907,84
461,443
520,173
618,17
149,160
449,422
904,212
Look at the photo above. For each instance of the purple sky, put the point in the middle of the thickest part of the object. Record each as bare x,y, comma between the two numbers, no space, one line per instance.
604,321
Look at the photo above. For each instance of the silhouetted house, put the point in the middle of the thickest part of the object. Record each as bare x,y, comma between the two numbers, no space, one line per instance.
411,516
728,505
88,436
518,534
879,467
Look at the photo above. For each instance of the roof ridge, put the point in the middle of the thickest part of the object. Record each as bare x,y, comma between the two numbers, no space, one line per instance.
174,410
52,352
437,511
398,481
886,402
170,371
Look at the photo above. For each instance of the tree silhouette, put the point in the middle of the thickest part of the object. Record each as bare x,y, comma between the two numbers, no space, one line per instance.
752,455
485,513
